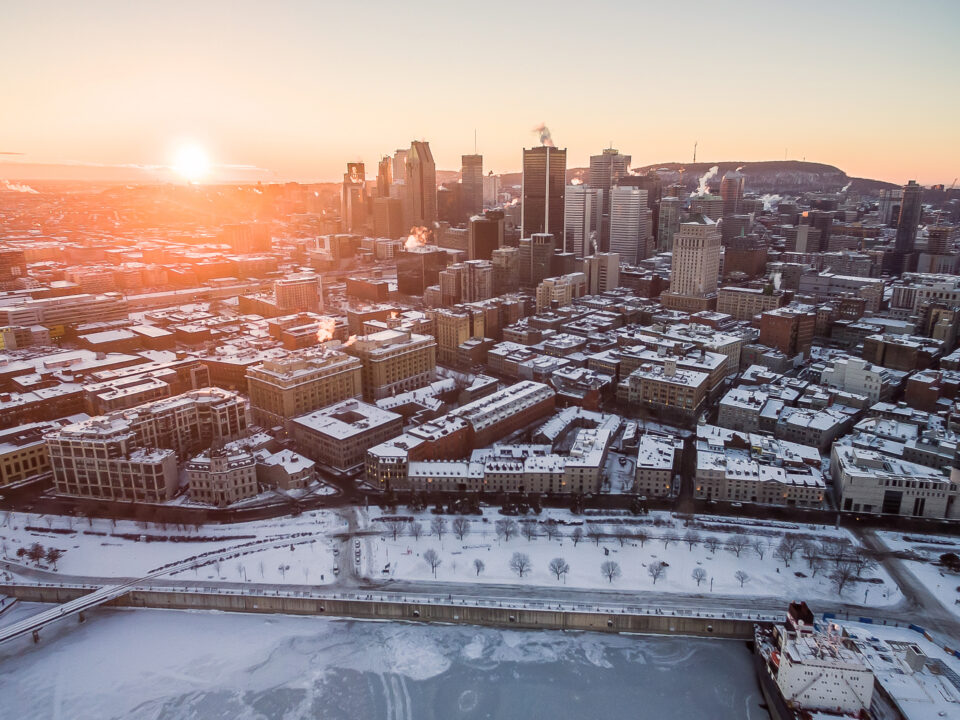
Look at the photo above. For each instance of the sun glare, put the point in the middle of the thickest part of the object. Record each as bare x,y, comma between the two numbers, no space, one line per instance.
191,163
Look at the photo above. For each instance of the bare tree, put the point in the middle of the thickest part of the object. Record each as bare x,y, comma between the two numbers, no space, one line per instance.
834,550
595,533
668,538
641,536
809,550
691,538
241,571
699,574
282,568
712,543
552,530
520,563
480,567
610,570
438,526
843,575
529,531
791,544
216,566
816,565
657,570
559,567
759,546
622,533
461,527
394,527
576,535
782,552
506,528
415,529
862,562
432,558
261,568
737,543
54,554
741,577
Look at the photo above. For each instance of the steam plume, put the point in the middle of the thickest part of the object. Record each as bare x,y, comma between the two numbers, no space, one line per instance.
576,181
770,202
544,133
702,184
325,328
17,187
417,238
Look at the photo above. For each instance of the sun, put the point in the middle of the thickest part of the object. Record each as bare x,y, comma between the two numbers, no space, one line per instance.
191,163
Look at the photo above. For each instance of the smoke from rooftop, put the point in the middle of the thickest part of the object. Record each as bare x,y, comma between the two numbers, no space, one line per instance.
702,188
544,132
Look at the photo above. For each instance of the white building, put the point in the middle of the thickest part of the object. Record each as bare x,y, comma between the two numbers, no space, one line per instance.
583,208
856,375
631,224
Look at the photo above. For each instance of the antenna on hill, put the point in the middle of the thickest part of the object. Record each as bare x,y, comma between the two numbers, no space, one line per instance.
694,150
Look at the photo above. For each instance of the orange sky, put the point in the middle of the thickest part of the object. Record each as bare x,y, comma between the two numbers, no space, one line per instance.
297,89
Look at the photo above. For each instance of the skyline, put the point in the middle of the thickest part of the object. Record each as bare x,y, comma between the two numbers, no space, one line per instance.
293,94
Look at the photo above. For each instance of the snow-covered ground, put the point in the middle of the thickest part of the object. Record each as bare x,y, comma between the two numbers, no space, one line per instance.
942,583
99,549
765,577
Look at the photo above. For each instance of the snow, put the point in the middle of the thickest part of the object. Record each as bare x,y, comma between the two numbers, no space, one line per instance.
927,549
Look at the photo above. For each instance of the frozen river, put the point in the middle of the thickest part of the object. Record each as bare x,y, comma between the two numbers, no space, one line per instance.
148,664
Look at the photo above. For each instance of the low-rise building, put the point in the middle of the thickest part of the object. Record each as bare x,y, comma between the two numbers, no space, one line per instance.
657,460
666,389
222,476
814,427
394,361
338,436
285,470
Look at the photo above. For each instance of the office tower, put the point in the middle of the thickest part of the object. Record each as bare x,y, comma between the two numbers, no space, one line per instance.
731,190
388,218
450,281
630,224
668,224
888,206
606,170
353,198
911,208
803,238
544,182
384,176
449,206
734,226
399,167
485,234
506,270
300,291
695,266
583,208
419,267
471,178
476,282
421,185
652,183
709,205
602,271
554,292
536,256
491,190
939,239
822,220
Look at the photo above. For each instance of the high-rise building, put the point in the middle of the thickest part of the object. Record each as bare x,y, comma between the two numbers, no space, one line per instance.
652,183
388,218
421,185
560,291
630,224
822,220
485,235
789,329
491,189
471,178
419,267
544,183
384,176
453,327
888,206
695,266
476,283
606,170
668,223
731,190
911,208
582,225
506,270
536,258
394,361
708,205
299,291
602,271
353,198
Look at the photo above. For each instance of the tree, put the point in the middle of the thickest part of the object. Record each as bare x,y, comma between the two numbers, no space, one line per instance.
951,561
668,539
862,562
833,550
282,568
480,567
506,528
657,570
791,544
552,530
759,546
691,538
576,535
809,550
741,577
432,559
415,529
842,575
261,568
559,567
54,554
622,533
394,527
241,571
36,553
737,543
782,552
438,526
641,536
595,533
816,564
529,531
610,570
461,527
699,574
711,543
520,563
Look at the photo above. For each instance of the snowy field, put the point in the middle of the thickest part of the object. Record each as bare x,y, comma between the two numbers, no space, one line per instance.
155,664
108,549
945,585
768,576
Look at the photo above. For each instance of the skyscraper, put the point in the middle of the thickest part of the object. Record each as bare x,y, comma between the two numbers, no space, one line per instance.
602,271
536,258
911,208
583,209
668,224
384,176
353,198
506,270
695,266
421,190
471,177
544,181
485,234
606,170
731,190
491,190
630,224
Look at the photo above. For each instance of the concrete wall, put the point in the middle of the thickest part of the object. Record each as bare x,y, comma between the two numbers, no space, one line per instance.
408,611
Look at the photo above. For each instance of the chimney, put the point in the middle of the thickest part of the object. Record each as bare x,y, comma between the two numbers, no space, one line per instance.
670,368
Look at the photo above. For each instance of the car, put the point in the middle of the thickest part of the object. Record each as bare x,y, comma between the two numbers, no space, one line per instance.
336,551
336,569
356,544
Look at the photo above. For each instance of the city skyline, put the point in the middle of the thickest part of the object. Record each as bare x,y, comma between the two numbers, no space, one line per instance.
286,94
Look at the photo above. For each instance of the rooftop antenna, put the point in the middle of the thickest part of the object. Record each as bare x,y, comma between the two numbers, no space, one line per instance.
694,150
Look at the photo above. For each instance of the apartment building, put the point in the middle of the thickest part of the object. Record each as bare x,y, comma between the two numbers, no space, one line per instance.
338,436
394,361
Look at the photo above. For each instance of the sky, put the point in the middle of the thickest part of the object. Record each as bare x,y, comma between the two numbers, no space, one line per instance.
291,90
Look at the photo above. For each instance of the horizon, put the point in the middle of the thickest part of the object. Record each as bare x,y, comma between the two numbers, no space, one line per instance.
293,92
